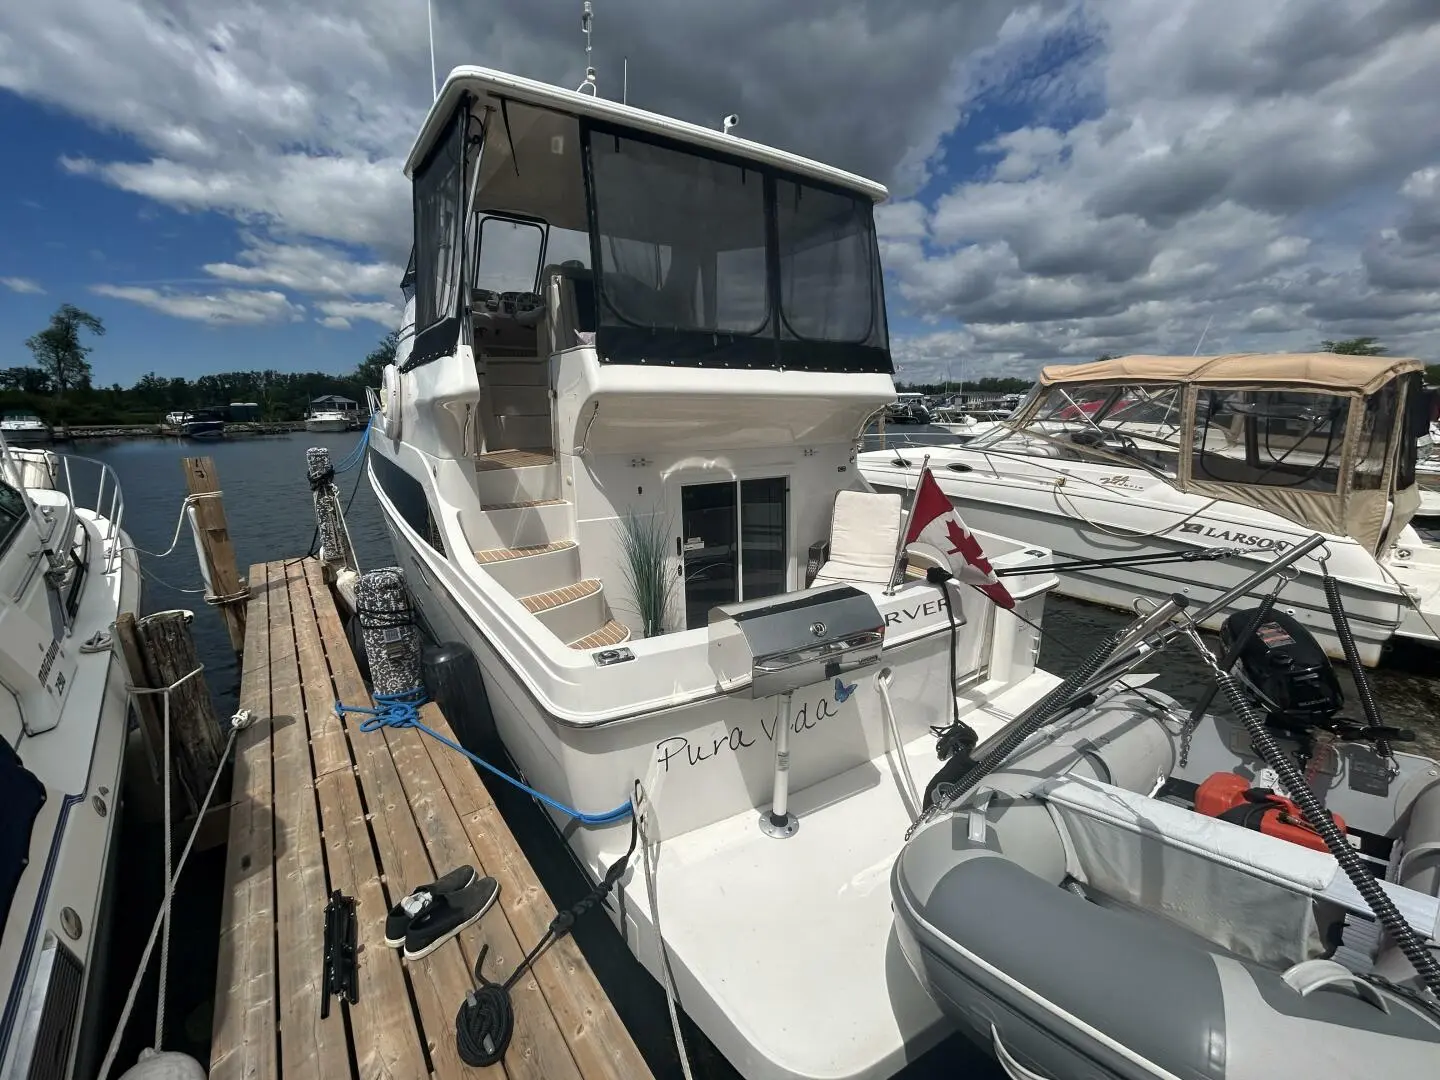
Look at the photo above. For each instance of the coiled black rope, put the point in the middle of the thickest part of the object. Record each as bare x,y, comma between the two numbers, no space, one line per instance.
1320,820
486,1019
1352,658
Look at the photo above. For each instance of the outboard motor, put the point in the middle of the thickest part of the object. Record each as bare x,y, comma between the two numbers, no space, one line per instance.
1285,670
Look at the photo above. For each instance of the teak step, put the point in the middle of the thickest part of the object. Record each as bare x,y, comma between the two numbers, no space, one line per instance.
612,633
493,555
513,459
563,595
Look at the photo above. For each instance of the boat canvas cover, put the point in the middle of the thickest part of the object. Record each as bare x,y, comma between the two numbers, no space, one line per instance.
1348,510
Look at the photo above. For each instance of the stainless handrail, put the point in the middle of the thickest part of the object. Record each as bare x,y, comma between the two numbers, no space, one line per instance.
113,513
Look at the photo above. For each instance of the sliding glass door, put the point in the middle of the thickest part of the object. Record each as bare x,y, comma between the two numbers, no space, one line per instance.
732,543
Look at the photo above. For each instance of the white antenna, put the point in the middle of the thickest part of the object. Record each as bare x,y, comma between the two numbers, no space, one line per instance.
1202,334
430,23
625,83
586,17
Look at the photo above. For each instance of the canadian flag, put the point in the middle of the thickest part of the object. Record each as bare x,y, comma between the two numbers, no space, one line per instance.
936,524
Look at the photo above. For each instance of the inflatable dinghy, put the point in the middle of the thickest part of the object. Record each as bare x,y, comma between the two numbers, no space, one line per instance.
1131,893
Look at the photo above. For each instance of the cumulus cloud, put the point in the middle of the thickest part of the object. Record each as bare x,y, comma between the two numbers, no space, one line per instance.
340,314
228,307
1268,172
22,285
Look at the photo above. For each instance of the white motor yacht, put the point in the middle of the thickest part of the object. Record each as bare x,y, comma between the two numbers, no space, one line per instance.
327,420
25,429
616,458
1175,457
65,575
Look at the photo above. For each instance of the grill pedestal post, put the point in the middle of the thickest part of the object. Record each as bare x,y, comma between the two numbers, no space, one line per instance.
779,822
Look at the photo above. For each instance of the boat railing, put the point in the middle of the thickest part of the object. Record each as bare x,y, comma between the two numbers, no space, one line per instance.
108,505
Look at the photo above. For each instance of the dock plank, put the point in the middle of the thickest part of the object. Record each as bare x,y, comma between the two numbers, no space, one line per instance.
309,1045
320,805
538,1048
382,1027
243,1043
441,980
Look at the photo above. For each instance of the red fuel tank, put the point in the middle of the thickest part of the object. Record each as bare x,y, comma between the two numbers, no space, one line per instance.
1231,798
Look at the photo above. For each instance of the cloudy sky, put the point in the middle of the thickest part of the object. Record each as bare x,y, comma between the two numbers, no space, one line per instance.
221,181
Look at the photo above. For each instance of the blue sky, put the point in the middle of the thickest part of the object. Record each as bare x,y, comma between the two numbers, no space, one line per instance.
66,233
222,183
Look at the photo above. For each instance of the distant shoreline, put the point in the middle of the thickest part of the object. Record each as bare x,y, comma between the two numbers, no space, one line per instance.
76,432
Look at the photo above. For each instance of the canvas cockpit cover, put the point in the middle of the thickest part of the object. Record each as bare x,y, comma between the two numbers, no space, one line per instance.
439,243
1348,469
1322,371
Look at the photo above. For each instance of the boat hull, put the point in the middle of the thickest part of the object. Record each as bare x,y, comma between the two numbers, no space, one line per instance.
28,436
1080,520
708,767
327,425
60,916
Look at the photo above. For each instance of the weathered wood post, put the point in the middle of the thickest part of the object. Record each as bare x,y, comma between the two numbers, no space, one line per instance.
160,652
228,593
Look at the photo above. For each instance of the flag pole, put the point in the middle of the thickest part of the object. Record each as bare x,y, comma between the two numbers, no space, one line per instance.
904,529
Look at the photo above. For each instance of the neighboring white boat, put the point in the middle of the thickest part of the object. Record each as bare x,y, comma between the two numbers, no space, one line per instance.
64,578
680,420
25,429
1098,463
327,420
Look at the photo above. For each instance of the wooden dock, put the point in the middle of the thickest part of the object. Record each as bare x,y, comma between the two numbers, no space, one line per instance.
319,805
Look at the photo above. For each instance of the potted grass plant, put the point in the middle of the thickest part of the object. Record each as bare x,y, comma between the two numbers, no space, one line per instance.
644,540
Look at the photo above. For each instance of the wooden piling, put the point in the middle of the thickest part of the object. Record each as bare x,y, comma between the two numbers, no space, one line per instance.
216,547
158,652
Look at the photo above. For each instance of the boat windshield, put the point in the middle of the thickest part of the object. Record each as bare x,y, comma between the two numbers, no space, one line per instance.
711,261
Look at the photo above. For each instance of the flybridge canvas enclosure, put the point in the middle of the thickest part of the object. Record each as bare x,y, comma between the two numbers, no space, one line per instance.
704,259
439,243
1321,439
689,246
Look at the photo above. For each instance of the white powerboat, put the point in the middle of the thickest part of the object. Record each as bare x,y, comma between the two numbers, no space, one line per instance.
327,420
622,474
25,429
1145,458
64,577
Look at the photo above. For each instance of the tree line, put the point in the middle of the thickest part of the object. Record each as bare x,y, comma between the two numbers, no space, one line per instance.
60,387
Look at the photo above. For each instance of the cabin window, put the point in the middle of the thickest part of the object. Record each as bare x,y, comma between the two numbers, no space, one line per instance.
681,241
1373,449
706,260
408,497
828,284
1271,438
439,243
507,255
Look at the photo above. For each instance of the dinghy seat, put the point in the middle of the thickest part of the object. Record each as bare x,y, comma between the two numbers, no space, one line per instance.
864,535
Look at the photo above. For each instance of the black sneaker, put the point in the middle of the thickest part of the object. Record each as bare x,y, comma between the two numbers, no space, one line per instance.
398,921
445,914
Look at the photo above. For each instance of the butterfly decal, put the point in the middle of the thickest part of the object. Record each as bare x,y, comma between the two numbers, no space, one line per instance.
843,692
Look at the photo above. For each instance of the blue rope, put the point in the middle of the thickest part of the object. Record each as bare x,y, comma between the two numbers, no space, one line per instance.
402,710
357,454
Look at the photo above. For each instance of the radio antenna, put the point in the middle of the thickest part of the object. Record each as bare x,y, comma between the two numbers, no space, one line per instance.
430,25
586,18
